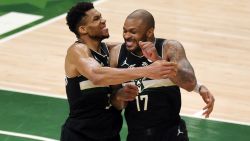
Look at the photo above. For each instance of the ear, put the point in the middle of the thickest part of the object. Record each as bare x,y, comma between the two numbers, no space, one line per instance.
150,32
82,30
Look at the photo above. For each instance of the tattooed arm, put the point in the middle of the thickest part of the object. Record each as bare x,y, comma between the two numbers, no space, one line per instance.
185,77
174,52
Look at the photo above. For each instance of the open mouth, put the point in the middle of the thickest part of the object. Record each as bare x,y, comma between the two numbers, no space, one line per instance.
129,43
105,29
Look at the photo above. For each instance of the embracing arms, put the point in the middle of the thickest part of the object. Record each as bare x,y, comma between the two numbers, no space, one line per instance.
79,61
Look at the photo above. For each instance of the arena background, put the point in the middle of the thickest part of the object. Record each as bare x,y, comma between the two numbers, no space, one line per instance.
34,39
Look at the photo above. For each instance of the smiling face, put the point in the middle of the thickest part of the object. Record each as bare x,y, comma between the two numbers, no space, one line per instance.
134,30
94,25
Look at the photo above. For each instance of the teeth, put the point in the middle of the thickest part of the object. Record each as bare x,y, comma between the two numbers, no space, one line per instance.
129,43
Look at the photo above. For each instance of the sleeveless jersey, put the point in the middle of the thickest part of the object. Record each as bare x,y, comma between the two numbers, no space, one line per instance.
159,101
91,114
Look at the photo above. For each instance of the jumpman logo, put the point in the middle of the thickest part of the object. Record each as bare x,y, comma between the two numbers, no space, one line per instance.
125,62
179,131
144,64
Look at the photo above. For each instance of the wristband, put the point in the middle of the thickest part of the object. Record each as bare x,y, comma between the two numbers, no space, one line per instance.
197,88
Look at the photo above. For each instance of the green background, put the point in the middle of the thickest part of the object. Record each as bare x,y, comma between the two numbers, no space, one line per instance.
46,8
43,116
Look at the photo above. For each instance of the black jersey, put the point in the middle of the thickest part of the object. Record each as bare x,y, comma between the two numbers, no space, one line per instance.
91,114
159,101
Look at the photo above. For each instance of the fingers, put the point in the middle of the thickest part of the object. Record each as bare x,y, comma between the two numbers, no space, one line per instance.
168,71
163,69
128,93
132,87
144,45
208,99
165,74
164,62
208,109
149,51
168,65
206,114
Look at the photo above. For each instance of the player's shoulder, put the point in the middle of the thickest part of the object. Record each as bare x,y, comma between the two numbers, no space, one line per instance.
111,45
173,44
77,48
116,48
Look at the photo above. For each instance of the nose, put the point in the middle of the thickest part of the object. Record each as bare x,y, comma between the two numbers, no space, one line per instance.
103,20
126,35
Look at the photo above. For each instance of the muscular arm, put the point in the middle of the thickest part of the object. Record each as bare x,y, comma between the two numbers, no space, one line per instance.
79,61
185,78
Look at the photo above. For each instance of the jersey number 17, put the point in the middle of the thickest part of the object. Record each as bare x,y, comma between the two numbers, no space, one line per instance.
142,98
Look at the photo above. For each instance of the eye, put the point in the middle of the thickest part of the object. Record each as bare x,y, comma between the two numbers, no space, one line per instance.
133,31
124,30
96,18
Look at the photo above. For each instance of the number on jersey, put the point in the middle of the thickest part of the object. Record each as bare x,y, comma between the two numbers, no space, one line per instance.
145,103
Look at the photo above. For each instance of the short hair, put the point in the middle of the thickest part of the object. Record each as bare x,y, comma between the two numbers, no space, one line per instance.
146,16
76,13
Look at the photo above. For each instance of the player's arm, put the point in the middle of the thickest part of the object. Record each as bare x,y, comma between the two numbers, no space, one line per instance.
185,78
82,61
120,95
116,101
208,98
173,52
150,52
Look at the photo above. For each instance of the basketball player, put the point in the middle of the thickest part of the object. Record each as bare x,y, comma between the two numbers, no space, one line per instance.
91,117
154,114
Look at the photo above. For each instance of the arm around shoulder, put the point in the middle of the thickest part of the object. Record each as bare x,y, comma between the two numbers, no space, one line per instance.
80,58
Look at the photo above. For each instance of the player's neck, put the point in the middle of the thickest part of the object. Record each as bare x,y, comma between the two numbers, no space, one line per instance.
138,52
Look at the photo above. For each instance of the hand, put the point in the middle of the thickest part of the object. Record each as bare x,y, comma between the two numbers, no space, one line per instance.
127,93
149,51
162,69
208,99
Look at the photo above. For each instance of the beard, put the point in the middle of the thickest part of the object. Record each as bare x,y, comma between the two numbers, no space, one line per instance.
99,37
97,34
